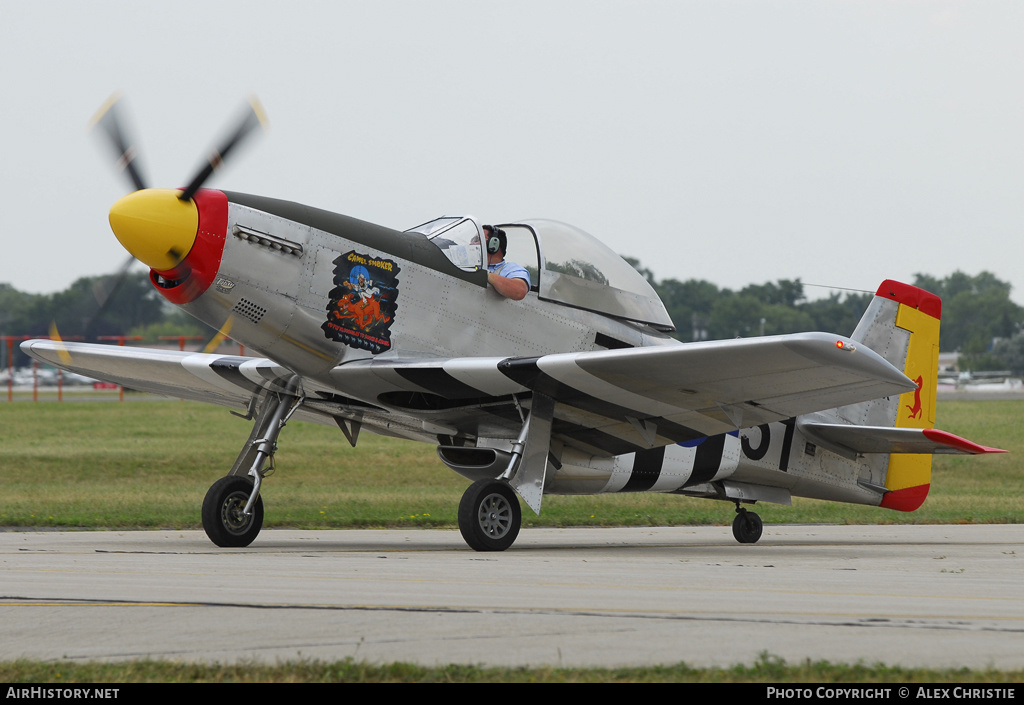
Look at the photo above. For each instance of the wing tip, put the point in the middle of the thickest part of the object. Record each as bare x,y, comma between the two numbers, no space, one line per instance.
962,444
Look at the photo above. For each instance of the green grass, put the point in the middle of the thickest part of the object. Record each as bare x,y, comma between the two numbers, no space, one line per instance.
148,464
767,670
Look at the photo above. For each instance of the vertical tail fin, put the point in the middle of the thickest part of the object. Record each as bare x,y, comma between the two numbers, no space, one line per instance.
902,325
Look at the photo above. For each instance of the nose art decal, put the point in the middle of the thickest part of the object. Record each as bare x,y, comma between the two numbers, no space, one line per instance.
363,302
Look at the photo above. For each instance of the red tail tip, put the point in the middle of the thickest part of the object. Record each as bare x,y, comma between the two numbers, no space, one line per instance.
923,301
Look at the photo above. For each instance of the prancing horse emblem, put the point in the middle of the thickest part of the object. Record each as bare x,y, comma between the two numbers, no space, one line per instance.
915,410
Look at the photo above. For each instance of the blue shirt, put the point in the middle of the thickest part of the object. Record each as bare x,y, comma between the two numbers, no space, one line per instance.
510,270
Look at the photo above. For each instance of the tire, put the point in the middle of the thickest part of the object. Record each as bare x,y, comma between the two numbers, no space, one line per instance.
489,515
223,519
747,527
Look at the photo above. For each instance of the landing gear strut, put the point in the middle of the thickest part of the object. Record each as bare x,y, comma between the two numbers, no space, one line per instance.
489,513
747,526
233,509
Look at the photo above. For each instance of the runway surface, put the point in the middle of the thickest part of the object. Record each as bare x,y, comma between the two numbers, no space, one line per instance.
938,596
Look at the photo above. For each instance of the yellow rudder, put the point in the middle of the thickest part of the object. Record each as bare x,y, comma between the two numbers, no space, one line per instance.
908,478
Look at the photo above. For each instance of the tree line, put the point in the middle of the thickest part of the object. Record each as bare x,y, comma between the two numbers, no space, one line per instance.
978,318
93,308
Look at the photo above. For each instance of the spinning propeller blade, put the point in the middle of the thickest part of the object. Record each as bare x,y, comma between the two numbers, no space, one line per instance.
219,336
107,119
252,118
159,226
106,289
62,350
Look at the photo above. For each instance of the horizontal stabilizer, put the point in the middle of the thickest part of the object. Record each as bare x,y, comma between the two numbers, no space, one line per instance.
847,439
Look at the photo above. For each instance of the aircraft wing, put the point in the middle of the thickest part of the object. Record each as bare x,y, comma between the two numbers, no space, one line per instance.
218,379
623,400
607,401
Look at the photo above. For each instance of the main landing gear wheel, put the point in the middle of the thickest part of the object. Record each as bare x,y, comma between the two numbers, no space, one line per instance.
747,526
489,515
224,519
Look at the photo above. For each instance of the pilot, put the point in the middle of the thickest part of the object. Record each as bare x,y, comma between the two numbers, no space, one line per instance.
508,278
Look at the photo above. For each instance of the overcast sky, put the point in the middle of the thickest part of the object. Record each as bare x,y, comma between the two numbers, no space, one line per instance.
838,142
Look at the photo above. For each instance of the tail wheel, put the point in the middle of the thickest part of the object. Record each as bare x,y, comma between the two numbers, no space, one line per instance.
489,515
747,526
224,519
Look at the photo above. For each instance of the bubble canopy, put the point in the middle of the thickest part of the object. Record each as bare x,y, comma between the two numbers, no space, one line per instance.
566,265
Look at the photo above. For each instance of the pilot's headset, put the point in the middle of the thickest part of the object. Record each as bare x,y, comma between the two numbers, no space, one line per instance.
496,239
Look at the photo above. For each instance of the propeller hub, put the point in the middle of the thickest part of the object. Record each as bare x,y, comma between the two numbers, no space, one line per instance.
156,226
